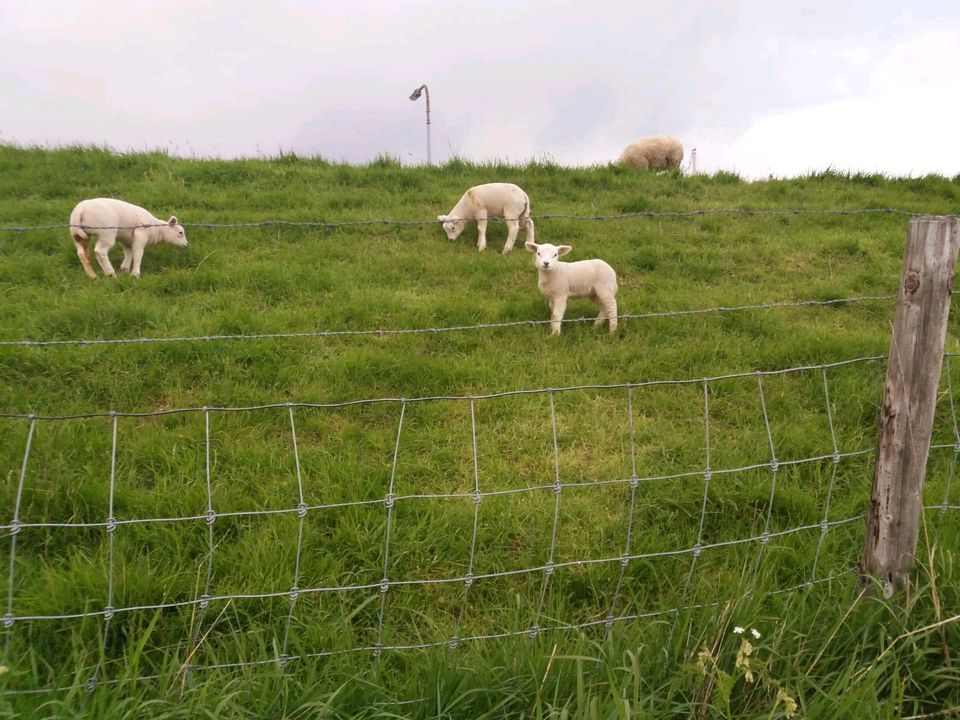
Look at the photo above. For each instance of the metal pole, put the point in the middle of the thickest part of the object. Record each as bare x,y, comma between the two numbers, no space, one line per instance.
428,123
415,95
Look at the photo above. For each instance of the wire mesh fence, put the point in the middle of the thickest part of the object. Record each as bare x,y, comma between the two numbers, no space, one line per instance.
279,533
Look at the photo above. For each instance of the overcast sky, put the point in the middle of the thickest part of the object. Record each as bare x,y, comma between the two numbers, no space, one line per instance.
756,88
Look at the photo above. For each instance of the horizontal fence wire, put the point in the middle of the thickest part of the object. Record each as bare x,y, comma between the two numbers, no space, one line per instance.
450,328
98,675
331,224
434,398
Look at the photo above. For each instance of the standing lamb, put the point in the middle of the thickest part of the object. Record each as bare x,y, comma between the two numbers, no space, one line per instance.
112,220
659,152
504,200
559,280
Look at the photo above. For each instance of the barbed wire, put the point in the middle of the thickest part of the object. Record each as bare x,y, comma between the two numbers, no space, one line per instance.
331,224
382,332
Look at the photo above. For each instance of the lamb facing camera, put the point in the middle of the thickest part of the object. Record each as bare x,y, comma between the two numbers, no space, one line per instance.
559,280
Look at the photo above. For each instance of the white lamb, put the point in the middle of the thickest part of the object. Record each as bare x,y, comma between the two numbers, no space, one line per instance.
659,152
112,220
559,280
504,200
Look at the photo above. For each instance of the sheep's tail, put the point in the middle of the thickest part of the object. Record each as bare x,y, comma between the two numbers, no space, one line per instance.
76,221
82,239
526,219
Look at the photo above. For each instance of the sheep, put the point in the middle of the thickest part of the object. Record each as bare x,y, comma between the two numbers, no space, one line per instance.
112,220
559,280
658,152
504,200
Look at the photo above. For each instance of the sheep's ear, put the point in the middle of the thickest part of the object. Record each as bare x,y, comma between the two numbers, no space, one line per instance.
563,249
531,245
441,218
173,220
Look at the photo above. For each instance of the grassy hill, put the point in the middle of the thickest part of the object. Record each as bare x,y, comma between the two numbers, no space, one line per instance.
670,395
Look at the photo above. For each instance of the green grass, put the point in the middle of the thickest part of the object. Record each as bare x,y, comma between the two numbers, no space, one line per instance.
836,654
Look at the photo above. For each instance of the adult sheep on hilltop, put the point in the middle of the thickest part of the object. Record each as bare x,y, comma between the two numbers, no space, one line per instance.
480,202
115,220
659,152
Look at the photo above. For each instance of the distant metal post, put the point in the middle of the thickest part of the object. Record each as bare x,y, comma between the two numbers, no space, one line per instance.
909,400
693,161
414,96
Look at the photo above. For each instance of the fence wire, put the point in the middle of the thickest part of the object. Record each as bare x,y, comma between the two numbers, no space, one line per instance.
383,332
607,613
333,224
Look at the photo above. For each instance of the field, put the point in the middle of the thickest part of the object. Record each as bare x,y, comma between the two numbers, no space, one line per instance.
241,468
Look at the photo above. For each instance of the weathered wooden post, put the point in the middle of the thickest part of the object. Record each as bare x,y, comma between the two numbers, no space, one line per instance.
909,400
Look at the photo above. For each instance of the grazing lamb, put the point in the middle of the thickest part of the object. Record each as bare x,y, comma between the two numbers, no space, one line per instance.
112,220
659,152
492,199
559,280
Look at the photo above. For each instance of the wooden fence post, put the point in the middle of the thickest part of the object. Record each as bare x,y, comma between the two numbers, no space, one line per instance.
909,400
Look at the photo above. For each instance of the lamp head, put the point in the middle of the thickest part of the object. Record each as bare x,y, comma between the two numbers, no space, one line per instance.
416,93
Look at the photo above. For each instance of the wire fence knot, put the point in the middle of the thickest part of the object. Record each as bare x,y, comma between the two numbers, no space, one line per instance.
533,632
389,500
108,612
765,538
14,527
111,524
634,481
8,620
774,465
294,593
453,642
210,517
302,510
468,580
384,585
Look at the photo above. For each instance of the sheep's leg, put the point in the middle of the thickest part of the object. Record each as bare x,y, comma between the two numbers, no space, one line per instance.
84,258
513,227
603,312
127,259
105,241
528,229
609,311
137,246
558,306
481,234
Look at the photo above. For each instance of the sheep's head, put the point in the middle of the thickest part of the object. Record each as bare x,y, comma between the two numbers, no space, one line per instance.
547,255
173,233
452,227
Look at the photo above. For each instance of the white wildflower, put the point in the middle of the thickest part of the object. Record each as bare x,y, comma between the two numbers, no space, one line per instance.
738,630
755,633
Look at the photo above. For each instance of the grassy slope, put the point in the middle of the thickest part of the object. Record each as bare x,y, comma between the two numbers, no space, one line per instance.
299,279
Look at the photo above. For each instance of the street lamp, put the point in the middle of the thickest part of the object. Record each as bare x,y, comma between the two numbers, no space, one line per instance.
415,95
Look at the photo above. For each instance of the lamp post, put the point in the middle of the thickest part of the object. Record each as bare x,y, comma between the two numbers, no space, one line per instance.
415,95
